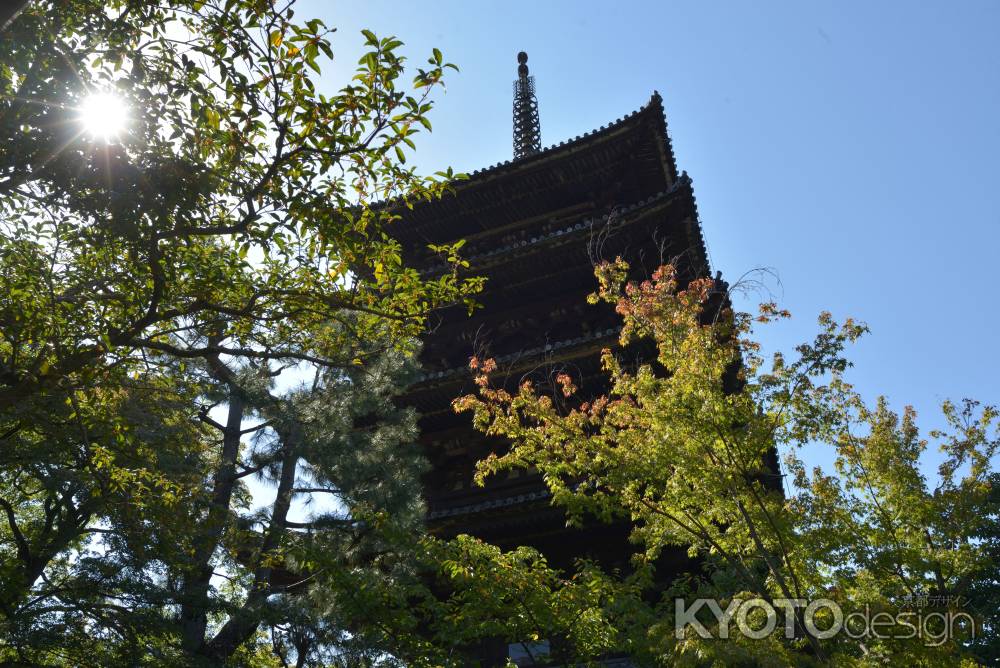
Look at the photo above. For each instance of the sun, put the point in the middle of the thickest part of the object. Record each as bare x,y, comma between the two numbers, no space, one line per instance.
103,116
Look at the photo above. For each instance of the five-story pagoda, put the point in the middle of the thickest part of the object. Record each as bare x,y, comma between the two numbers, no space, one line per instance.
534,227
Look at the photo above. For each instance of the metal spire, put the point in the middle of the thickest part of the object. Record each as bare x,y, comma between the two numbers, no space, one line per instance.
527,130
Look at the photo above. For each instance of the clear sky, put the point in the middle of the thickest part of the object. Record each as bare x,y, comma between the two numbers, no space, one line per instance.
853,147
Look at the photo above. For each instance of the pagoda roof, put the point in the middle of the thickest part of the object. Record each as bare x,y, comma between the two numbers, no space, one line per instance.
653,108
492,253
626,161
489,503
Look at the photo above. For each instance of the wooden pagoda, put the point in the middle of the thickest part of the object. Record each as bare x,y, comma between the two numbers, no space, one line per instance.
534,227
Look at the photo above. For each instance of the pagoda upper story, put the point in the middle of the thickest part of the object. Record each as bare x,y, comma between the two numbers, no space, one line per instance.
617,165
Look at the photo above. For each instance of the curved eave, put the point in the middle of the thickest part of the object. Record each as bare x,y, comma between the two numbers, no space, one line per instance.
490,504
486,187
484,259
522,359
653,108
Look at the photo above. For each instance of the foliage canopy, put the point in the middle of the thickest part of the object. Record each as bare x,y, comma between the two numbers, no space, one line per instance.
683,447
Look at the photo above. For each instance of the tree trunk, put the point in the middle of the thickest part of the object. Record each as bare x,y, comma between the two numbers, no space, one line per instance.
195,593
245,622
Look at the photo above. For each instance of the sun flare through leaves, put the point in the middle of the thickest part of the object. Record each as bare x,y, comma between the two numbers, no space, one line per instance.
104,116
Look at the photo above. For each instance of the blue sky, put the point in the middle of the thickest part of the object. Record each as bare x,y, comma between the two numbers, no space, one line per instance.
853,147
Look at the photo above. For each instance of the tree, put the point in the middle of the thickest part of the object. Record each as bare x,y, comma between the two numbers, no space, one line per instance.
681,446
156,282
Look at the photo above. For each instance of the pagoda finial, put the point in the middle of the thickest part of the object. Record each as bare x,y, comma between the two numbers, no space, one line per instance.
527,130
